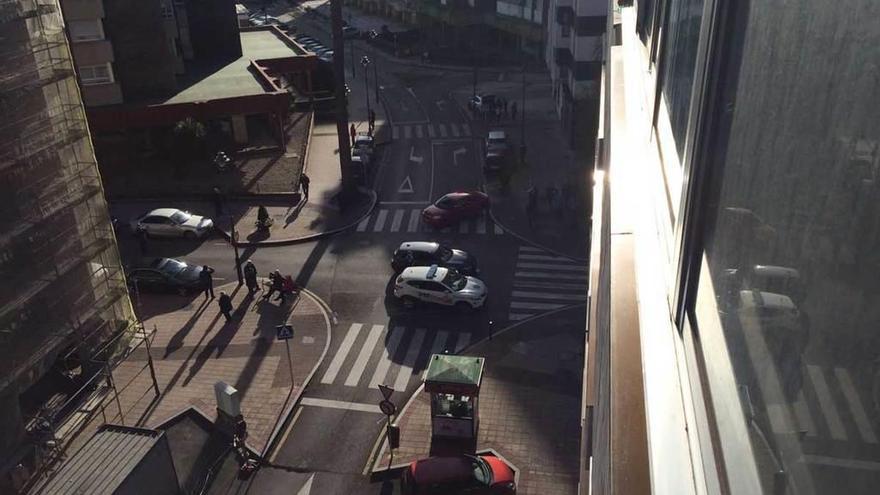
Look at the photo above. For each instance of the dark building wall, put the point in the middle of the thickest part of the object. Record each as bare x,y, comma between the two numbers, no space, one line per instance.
144,64
213,28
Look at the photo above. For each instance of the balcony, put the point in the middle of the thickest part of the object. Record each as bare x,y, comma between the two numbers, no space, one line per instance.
101,94
77,10
96,52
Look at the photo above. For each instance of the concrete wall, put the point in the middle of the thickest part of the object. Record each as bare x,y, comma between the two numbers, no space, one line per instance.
144,65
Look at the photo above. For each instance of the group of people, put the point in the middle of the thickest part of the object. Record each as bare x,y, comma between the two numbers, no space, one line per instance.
497,111
371,126
278,283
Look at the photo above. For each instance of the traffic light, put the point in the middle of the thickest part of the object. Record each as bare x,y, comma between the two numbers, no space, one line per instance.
394,436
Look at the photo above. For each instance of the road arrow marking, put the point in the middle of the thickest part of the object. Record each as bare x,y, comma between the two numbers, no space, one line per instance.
441,104
456,153
406,186
307,488
413,157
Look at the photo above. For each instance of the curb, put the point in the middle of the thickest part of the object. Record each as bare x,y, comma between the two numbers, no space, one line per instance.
311,237
294,401
373,467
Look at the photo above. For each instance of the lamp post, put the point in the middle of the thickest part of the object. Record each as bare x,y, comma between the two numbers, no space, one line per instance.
365,62
233,239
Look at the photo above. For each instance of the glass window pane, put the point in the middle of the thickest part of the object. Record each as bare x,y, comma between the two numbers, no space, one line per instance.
680,40
788,301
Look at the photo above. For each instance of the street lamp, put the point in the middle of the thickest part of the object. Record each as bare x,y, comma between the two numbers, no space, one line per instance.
365,62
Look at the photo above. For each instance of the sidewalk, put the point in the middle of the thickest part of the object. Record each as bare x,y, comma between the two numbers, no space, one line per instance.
194,348
529,404
559,223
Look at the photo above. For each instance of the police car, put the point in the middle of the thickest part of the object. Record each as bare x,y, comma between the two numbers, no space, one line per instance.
439,285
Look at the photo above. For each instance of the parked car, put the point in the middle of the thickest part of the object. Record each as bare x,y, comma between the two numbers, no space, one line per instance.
769,278
171,222
364,141
165,275
422,253
326,56
453,207
482,102
439,285
494,161
474,475
496,141
768,309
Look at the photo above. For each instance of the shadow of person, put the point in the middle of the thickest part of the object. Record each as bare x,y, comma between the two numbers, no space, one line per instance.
294,212
176,341
258,235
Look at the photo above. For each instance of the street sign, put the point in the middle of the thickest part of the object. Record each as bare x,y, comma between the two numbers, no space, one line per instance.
387,407
386,391
284,332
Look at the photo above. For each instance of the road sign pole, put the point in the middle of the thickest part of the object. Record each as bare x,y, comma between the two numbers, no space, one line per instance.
289,363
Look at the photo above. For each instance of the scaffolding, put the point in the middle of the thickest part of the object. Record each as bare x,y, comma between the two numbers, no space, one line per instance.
64,294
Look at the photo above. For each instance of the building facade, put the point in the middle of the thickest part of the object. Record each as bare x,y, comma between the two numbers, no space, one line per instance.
573,52
64,305
733,344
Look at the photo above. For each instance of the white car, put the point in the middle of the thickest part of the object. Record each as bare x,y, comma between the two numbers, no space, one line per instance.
439,285
171,222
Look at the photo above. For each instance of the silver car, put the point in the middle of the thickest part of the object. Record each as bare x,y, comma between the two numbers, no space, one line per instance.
171,222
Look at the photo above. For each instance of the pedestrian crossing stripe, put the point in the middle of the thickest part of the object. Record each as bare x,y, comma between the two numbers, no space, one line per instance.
409,220
544,282
827,406
404,355
431,131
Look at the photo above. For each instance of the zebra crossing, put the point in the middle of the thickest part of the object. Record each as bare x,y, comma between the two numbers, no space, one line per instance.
828,406
543,282
403,356
431,131
409,220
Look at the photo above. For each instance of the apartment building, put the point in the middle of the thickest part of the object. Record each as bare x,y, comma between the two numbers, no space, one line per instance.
733,344
574,52
65,314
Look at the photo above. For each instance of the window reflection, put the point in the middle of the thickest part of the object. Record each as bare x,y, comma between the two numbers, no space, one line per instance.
791,243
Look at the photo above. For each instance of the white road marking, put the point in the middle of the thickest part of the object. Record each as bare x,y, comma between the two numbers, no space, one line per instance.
407,132
362,227
431,131
442,129
338,404
307,488
413,225
439,342
531,249
548,266
395,133
413,157
341,354
777,416
855,406
534,305
481,225
380,221
466,129
549,295
463,227
406,186
360,364
387,354
464,339
454,129
550,285
517,316
845,463
459,151
419,131
560,276
398,218
542,257
826,402
406,367
498,229
802,413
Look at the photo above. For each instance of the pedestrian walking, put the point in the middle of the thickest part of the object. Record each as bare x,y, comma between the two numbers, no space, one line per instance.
250,276
225,303
304,182
513,110
497,113
276,285
505,108
352,132
372,121
207,280
218,201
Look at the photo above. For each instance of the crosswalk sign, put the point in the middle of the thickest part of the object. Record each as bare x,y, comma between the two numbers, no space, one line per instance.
284,332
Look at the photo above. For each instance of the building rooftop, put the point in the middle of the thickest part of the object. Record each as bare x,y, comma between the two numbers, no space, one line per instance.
237,77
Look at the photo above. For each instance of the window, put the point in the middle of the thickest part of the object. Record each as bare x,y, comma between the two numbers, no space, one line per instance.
89,30
787,301
95,74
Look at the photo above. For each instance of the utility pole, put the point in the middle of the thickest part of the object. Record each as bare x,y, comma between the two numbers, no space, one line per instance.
365,61
376,80
341,104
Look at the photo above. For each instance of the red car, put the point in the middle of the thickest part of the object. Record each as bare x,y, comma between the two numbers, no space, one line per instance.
474,475
452,207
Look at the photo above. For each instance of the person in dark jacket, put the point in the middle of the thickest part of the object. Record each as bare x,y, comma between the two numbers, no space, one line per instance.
250,276
277,284
207,281
304,182
225,303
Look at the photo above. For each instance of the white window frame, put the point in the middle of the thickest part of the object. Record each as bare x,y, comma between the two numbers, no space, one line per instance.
88,77
83,39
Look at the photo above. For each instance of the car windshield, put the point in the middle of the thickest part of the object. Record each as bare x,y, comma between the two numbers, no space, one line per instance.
179,217
454,280
445,203
482,473
444,253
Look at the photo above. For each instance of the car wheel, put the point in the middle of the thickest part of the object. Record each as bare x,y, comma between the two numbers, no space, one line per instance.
409,302
188,235
463,307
